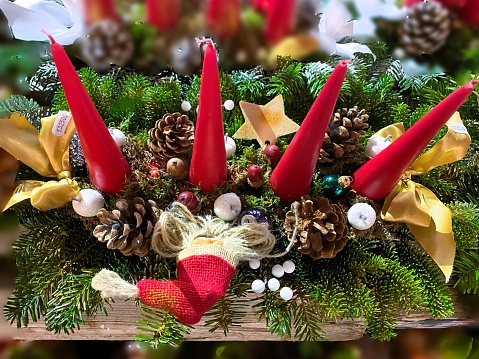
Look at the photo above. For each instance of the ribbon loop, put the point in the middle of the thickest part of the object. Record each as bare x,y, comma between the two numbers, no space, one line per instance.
428,219
46,152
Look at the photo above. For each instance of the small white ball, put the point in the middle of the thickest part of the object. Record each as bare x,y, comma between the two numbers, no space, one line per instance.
227,206
361,216
88,202
376,145
286,293
258,286
273,284
229,105
254,263
118,136
185,106
230,147
288,267
277,270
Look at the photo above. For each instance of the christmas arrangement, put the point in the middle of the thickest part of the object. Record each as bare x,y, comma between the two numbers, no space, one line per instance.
311,191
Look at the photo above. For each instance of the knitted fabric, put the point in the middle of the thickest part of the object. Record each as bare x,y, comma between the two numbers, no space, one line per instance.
202,279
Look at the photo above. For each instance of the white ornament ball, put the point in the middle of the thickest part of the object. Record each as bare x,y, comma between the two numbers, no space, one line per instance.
229,105
118,136
254,263
286,293
361,216
376,144
227,206
185,106
277,270
288,267
88,202
230,147
258,286
273,284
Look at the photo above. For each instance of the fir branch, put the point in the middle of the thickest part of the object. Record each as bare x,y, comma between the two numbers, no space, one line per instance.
22,105
160,327
276,312
466,268
465,224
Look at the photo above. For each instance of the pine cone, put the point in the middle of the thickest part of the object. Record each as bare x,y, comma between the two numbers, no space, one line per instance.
108,42
342,133
129,226
172,136
322,228
426,28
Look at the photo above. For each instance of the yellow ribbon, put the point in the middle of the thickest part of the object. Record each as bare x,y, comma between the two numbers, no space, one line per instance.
46,152
427,217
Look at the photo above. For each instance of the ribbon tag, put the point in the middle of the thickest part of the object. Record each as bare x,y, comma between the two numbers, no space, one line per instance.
61,122
428,219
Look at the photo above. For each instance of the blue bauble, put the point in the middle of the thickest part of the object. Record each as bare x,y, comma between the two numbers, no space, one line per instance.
331,186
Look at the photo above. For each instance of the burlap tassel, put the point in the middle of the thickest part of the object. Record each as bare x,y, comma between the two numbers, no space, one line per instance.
112,286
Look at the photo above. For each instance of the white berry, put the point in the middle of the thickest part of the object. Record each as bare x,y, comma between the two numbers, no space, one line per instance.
286,293
229,105
258,286
254,263
88,202
230,147
227,206
376,144
288,267
277,270
185,106
361,216
273,284
118,136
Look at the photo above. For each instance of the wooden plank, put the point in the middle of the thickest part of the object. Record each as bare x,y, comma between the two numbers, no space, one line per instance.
120,324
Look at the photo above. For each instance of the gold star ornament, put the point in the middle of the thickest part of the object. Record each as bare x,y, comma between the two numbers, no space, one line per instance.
265,123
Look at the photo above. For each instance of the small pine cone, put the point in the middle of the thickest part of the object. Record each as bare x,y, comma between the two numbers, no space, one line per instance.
322,228
129,226
342,133
108,42
426,28
172,136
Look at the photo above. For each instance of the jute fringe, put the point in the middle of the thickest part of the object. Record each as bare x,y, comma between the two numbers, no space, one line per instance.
112,286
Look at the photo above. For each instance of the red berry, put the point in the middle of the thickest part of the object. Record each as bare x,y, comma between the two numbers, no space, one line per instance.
255,174
188,199
273,152
154,170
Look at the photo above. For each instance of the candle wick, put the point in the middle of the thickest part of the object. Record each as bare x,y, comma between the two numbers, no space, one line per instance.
49,36
363,217
76,199
203,41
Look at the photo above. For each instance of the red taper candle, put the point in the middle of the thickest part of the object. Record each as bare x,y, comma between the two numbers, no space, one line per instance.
223,18
377,177
208,161
280,20
107,167
292,176
163,14
97,10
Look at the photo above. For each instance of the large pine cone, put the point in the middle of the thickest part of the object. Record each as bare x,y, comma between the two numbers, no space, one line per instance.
426,28
129,226
172,136
108,42
322,228
342,133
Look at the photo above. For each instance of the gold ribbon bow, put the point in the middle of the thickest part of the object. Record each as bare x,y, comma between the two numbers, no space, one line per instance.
427,217
46,152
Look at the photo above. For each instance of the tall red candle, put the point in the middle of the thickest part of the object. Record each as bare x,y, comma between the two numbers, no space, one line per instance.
163,14
280,20
107,167
97,10
223,18
377,177
292,177
208,161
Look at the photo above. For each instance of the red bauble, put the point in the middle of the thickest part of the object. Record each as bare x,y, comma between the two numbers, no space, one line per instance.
154,170
273,152
188,199
255,175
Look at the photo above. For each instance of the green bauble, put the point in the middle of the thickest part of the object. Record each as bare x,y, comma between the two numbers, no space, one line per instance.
331,186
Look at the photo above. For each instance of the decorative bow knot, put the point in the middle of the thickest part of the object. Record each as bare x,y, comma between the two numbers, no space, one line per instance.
46,152
427,217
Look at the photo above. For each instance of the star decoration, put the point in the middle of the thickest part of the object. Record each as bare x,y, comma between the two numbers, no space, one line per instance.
265,123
